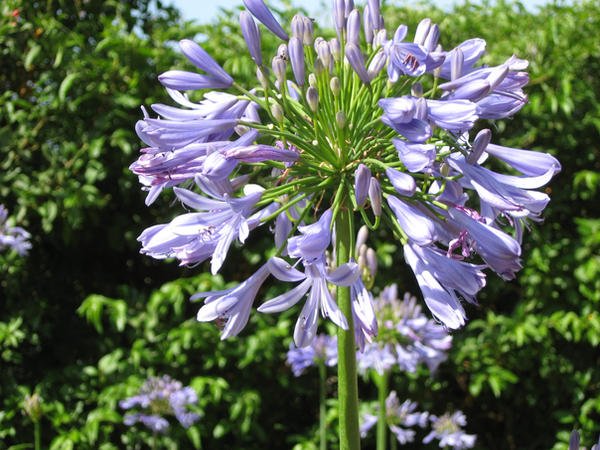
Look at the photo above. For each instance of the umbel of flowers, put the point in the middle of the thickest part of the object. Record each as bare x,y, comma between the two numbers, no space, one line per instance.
15,238
371,127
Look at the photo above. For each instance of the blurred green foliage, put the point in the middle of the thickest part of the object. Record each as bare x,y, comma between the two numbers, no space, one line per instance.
85,319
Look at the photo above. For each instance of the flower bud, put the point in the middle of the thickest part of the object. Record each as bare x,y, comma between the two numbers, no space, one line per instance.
375,12
417,90
348,7
317,42
362,180
361,237
444,169
340,119
422,31
480,143
277,112
376,64
368,25
339,14
309,31
380,38
319,67
279,66
324,53
312,97
456,63
334,84
353,27
375,196
282,51
251,34
296,54
357,62
335,48
262,77
33,406
312,80
432,38
372,261
298,26
421,109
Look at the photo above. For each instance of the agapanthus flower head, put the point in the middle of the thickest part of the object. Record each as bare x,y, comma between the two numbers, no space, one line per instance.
160,397
323,349
339,133
13,237
400,418
448,429
406,337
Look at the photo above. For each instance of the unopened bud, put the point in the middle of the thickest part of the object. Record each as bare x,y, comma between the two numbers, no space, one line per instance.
340,119
375,196
279,66
422,31
417,90
368,25
319,67
335,48
431,41
445,169
317,42
361,237
353,27
262,77
298,26
296,55
334,84
480,143
33,406
282,51
309,31
312,80
339,14
362,180
312,97
277,112
456,63
372,261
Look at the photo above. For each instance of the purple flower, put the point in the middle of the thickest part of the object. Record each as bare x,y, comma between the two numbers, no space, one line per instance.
533,164
472,50
259,153
448,429
400,417
323,348
500,251
265,16
403,183
357,62
203,61
443,304
13,237
160,397
314,240
314,281
353,27
251,34
194,237
233,304
363,314
415,157
362,180
417,226
404,58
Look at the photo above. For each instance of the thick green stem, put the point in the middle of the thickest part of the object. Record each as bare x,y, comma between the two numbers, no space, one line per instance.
382,387
322,405
347,382
37,435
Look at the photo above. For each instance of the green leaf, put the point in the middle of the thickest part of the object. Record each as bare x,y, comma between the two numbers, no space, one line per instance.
66,85
33,52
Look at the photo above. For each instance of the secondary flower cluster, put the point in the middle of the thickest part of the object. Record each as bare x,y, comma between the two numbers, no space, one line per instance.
406,336
322,349
402,417
159,397
362,127
13,237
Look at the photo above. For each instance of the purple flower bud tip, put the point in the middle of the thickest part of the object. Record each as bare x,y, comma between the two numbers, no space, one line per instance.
265,16
296,55
251,34
362,180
